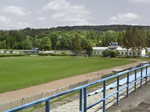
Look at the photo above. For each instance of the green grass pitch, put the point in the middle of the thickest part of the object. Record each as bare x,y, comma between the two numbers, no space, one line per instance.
21,72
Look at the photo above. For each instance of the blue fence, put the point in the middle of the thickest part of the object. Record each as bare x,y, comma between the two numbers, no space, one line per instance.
83,107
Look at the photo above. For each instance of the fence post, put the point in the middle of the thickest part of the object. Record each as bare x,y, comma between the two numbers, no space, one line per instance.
22,101
127,84
47,108
104,96
118,78
146,75
141,77
81,100
85,99
135,82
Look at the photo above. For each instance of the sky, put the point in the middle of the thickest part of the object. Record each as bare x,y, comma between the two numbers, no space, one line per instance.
19,14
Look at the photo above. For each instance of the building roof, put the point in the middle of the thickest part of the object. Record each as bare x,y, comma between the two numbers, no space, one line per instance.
100,48
120,48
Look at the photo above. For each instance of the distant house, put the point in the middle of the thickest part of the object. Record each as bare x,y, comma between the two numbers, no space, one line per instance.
99,50
121,51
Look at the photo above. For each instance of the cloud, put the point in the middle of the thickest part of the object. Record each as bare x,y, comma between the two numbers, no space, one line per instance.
41,18
22,25
124,18
19,11
18,25
4,22
64,13
139,1
7,23
4,19
57,5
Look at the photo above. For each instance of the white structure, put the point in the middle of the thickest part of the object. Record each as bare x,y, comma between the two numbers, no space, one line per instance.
99,50
148,49
121,51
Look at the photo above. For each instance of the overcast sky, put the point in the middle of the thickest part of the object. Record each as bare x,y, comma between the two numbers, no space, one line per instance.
16,14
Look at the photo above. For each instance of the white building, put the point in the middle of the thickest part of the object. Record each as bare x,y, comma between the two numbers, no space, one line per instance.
121,51
148,49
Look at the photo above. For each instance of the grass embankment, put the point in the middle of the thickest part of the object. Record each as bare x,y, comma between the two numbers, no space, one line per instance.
21,72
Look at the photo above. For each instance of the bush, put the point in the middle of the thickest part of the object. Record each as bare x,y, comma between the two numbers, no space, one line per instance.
113,53
12,55
48,54
44,54
106,53
63,54
52,54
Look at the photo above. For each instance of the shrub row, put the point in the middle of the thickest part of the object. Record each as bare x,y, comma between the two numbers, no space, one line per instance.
13,55
52,54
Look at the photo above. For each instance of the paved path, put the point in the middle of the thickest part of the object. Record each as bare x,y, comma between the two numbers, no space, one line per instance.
137,102
35,90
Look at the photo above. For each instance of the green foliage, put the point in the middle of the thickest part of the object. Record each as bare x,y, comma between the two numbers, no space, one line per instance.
76,38
109,36
113,53
107,53
49,54
46,43
44,54
135,38
63,54
20,72
13,55
76,43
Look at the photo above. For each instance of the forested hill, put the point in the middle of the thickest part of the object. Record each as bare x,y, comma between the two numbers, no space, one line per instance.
70,37
88,28
97,28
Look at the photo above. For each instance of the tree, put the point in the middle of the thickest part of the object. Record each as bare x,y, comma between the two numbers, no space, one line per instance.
134,40
37,43
27,44
127,39
88,47
148,38
120,39
76,44
45,43
141,41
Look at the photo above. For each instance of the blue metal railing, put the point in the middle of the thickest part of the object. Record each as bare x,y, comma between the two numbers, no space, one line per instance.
83,91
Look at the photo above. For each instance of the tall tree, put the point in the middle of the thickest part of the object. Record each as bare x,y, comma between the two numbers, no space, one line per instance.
46,43
76,44
127,39
141,41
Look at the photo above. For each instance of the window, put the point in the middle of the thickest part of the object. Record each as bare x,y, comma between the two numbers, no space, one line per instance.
122,53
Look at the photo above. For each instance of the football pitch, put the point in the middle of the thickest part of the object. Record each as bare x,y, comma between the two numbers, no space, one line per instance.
21,72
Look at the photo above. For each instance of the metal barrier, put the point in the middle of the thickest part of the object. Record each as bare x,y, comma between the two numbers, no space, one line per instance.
83,91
